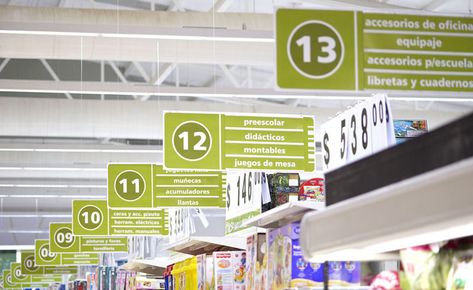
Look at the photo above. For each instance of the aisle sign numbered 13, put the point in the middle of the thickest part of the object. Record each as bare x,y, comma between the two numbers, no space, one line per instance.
44,257
63,240
356,51
215,141
150,186
94,218
356,133
244,195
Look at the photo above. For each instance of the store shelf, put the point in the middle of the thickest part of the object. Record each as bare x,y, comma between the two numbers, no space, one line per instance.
207,245
431,207
283,214
155,266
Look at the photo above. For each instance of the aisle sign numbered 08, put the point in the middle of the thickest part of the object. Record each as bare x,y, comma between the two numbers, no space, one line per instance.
214,141
44,257
94,218
356,51
244,195
30,267
150,186
356,133
63,240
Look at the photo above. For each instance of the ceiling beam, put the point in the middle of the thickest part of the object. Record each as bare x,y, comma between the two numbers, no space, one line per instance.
434,5
53,74
4,64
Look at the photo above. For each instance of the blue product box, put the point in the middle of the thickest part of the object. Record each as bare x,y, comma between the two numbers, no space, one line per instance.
351,273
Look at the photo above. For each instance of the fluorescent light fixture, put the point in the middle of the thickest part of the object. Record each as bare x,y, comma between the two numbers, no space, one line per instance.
35,215
16,247
27,232
55,185
431,207
146,36
67,150
53,196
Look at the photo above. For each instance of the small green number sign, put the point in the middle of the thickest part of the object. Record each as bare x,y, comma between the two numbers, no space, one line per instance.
62,239
90,217
129,185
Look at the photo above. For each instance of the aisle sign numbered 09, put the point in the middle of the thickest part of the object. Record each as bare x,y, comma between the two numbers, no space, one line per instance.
244,195
179,224
213,141
30,267
63,240
44,257
356,133
356,51
150,186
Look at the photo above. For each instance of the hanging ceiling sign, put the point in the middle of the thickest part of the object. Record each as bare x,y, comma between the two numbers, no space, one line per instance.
44,257
150,186
216,141
356,51
63,240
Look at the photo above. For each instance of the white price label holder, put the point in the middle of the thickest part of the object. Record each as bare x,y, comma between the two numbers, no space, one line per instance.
358,132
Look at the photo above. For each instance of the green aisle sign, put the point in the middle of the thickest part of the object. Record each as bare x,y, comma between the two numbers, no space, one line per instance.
354,51
150,186
8,281
63,240
213,141
30,281
17,276
44,257
30,267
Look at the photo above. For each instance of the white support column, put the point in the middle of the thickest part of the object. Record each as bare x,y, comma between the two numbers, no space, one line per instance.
102,76
53,75
142,71
119,74
230,75
4,64
221,5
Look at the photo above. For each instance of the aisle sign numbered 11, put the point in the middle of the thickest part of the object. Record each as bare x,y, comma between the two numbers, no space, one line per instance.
44,257
63,240
244,194
356,51
94,218
215,141
150,186
356,133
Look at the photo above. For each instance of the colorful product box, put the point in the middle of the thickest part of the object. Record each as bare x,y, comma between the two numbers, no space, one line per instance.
209,273
230,270
257,265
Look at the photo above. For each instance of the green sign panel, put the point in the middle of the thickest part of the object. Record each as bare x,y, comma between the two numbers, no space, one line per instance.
44,257
351,51
8,281
16,277
213,141
63,240
150,186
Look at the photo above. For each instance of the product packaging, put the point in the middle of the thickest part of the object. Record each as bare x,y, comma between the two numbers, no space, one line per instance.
209,273
257,265
283,187
313,189
230,268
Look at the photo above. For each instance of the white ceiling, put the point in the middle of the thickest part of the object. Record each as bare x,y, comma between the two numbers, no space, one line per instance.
54,146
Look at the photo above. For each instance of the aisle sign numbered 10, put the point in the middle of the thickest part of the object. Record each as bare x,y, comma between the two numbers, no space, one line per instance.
30,267
215,141
63,240
150,186
244,194
359,132
355,51
94,218
44,257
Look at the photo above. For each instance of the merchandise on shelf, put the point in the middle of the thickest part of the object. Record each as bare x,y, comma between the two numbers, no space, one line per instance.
184,275
257,262
289,269
313,189
209,273
405,129
283,187
230,270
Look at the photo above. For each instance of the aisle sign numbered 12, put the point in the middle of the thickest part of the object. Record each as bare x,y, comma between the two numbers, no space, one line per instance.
356,133
63,240
94,218
356,51
44,257
215,141
244,195
150,186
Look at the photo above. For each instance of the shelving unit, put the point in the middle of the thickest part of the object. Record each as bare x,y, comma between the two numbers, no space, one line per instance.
155,266
203,245
440,207
284,214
